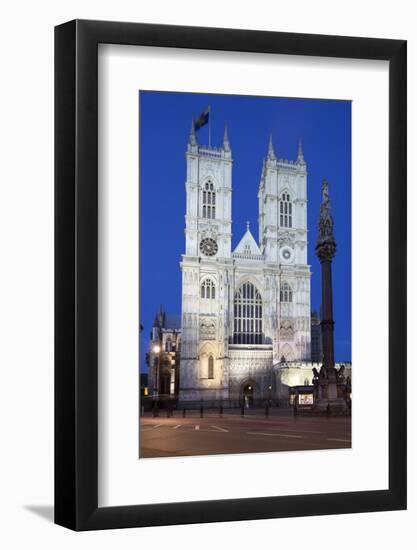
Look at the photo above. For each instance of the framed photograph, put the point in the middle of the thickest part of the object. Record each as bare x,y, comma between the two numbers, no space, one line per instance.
230,338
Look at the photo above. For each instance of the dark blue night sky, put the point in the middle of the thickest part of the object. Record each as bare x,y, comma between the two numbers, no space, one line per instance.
165,119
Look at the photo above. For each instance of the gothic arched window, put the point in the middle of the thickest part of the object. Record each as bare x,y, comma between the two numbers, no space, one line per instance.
285,210
285,294
209,201
208,289
210,370
247,315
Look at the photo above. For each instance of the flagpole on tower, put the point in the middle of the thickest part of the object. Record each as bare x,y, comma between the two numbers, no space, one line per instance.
209,128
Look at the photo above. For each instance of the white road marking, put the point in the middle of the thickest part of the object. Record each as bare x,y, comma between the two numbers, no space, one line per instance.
177,426
220,429
157,426
275,435
335,439
197,427
298,431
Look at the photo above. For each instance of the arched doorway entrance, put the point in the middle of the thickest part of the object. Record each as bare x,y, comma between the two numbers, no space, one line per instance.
248,391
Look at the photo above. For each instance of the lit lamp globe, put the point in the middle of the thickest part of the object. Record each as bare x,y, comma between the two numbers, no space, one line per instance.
156,349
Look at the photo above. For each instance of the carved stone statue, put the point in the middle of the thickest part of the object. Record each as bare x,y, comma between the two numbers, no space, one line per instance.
340,374
325,192
326,244
286,330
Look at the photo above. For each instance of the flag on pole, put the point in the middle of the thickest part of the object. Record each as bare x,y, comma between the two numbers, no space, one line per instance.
202,119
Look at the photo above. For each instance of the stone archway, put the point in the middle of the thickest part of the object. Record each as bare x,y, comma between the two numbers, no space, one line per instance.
248,393
287,354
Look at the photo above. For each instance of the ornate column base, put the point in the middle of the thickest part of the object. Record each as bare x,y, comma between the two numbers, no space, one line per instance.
330,392
334,407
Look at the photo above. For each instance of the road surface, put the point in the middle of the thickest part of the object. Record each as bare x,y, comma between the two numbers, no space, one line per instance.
231,433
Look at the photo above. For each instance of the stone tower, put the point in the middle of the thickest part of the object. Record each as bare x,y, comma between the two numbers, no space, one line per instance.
283,241
208,234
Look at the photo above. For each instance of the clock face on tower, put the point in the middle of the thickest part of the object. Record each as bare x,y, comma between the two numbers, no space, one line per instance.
286,254
208,247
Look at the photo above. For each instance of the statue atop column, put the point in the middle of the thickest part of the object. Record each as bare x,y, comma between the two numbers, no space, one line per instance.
326,244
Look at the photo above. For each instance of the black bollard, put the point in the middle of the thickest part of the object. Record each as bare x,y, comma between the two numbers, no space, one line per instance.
221,410
183,413
242,410
201,412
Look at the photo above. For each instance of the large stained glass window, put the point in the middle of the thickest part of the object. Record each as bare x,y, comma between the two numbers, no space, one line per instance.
247,315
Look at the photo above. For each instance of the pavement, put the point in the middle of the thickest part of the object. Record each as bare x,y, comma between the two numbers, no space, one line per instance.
231,433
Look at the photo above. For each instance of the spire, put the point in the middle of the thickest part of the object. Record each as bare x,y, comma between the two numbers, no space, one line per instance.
159,316
247,225
300,156
192,139
226,142
271,152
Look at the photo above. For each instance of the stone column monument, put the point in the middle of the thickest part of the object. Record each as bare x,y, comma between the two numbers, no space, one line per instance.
329,382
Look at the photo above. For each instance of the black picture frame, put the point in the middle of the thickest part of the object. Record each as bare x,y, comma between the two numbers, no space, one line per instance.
76,273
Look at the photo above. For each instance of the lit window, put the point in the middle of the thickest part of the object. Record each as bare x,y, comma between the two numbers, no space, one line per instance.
285,211
247,315
208,290
210,373
285,294
209,201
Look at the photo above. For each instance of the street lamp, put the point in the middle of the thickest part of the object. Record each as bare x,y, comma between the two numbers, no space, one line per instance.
269,394
157,350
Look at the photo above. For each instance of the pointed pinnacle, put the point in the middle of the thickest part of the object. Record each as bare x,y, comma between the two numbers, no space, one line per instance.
192,139
271,152
226,142
300,155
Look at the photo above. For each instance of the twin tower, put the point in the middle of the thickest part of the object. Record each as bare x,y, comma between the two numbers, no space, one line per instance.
247,309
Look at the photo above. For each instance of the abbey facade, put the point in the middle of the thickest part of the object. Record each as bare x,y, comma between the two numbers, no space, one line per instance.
245,311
